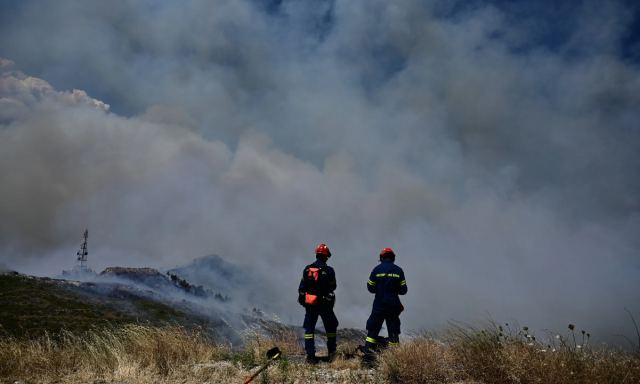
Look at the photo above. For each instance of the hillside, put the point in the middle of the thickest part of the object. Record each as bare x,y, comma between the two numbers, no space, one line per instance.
214,273
31,306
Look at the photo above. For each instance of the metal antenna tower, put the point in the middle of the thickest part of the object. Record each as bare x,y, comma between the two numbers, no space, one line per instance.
82,253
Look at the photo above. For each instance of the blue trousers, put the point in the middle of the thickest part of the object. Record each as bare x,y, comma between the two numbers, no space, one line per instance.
330,326
378,316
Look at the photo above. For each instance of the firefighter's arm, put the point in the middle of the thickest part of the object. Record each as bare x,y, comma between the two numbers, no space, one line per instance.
302,289
332,280
402,284
373,281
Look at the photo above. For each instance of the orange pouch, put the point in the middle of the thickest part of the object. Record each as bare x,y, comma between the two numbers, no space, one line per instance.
310,299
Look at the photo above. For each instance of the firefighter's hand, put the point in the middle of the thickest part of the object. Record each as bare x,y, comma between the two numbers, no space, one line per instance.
331,299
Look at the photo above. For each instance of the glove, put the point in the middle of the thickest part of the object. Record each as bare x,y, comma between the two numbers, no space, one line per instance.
330,299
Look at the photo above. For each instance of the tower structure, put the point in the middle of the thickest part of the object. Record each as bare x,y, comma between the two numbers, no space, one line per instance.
81,270
83,253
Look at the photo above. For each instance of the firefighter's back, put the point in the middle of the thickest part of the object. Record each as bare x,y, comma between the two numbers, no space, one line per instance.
319,279
389,278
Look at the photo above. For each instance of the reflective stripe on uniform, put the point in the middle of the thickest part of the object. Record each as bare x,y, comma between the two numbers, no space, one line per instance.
393,343
309,335
331,334
403,282
371,282
388,275
371,340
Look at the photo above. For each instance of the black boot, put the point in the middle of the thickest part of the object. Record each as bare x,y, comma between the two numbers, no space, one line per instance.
394,340
312,359
369,356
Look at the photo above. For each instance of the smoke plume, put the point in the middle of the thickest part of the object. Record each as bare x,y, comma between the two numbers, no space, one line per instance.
493,147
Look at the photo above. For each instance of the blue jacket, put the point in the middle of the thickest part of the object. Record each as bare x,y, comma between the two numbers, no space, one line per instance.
387,282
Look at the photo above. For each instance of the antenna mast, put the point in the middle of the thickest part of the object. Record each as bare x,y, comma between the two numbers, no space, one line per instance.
82,253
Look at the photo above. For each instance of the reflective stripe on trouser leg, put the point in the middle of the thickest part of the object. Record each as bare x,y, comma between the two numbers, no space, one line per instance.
394,339
374,323
331,342
369,348
309,343
310,320
330,325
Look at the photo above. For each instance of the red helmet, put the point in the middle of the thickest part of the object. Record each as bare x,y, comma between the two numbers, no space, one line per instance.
387,251
322,249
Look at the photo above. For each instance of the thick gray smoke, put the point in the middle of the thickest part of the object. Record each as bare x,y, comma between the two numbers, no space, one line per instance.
502,168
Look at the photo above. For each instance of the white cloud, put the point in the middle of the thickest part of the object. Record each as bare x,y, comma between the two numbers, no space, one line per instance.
19,93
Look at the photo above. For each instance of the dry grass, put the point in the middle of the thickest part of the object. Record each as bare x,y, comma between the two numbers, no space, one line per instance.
284,337
142,354
424,360
130,351
489,356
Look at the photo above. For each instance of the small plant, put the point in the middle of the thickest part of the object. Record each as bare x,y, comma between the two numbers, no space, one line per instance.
284,366
245,358
264,377
635,325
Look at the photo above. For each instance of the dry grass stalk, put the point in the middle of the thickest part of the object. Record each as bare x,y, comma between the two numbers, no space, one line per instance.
128,350
490,356
421,361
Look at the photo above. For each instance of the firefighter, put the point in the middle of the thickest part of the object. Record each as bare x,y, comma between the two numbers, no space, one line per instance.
387,281
316,295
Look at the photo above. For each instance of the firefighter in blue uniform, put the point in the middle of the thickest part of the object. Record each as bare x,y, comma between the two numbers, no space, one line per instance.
316,295
387,281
